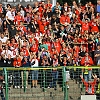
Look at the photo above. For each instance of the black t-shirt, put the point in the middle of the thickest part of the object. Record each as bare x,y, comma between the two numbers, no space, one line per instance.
3,62
97,52
9,62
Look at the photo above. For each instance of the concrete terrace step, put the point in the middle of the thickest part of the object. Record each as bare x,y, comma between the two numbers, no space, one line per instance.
74,93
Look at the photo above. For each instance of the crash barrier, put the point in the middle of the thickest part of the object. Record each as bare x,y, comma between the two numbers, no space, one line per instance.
47,83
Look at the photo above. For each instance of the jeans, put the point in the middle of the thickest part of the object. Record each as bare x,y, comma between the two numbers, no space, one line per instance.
2,95
54,78
22,76
16,78
88,76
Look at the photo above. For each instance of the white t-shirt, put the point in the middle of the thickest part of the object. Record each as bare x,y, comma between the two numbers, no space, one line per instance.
36,64
6,53
14,52
3,40
10,15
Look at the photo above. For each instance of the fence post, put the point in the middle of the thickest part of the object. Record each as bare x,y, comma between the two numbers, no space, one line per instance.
44,80
6,84
65,89
63,73
24,80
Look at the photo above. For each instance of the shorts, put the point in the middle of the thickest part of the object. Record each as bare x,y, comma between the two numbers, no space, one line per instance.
67,76
35,75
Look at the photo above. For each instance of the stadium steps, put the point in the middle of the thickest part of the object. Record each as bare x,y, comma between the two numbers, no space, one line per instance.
74,93
36,94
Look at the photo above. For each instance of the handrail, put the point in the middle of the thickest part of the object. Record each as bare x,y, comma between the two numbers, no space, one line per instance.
50,67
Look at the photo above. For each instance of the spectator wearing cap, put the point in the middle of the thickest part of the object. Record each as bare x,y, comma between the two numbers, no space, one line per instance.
97,56
87,61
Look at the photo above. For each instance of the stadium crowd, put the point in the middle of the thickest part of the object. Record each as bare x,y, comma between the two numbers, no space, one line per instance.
43,35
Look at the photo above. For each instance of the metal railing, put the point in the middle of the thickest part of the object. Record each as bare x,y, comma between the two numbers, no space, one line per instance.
50,86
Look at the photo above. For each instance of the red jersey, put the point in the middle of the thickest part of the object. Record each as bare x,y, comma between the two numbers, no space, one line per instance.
92,86
17,62
25,51
18,19
34,48
23,29
86,61
49,45
57,46
94,27
85,26
64,19
42,26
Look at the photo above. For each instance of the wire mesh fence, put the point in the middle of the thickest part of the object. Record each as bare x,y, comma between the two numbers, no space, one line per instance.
62,83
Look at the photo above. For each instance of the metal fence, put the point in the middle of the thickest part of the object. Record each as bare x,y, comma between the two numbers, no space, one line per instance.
63,83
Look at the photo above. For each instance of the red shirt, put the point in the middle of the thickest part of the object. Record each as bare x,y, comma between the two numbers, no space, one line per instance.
87,61
92,86
34,48
49,45
57,46
94,27
85,26
25,51
17,62
42,26
0,9
23,29
64,19
18,19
